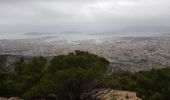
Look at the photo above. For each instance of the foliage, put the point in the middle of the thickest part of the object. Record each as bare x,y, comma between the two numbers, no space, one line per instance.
64,77
149,85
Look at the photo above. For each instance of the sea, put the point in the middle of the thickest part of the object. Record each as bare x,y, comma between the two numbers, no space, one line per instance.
66,36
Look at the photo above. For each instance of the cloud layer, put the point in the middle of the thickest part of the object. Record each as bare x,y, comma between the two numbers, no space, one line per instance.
83,15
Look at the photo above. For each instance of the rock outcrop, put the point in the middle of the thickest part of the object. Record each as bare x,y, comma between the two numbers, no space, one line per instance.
110,94
11,98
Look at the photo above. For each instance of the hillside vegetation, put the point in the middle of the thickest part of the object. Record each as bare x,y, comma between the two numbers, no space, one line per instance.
65,77
149,85
68,77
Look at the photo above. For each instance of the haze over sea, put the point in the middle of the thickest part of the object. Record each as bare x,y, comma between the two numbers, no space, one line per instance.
68,36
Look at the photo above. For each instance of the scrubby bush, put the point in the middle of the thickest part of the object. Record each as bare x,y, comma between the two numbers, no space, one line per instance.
64,77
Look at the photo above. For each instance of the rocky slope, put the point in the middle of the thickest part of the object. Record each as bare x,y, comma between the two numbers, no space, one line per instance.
12,98
110,94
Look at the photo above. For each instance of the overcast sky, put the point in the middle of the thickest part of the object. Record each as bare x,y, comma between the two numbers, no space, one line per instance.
84,15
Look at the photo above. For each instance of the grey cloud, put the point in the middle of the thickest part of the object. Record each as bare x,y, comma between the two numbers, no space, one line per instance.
83,15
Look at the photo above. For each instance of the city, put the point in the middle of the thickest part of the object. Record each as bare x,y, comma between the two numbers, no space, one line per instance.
125,53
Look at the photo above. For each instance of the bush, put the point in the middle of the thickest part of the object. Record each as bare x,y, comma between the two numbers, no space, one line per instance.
65,77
